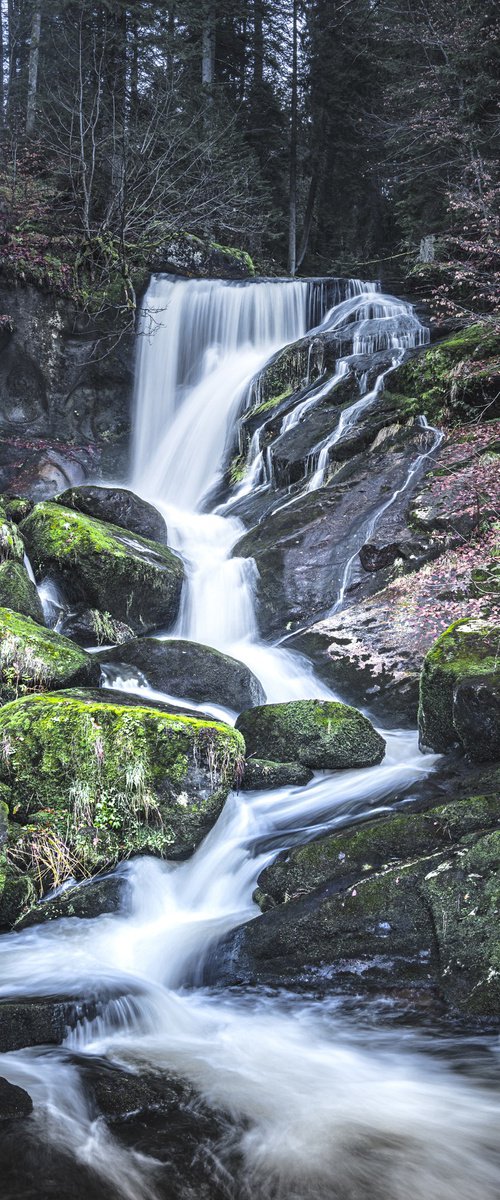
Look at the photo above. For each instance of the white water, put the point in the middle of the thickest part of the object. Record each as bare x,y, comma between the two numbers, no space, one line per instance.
321,1108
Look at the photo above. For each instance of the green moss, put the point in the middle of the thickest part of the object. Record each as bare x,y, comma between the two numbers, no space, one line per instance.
35,659
464,898
18,592
18,507
237,469
354,853
93,782
272,402
11,543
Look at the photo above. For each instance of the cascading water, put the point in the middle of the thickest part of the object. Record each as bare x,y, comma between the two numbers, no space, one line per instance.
321,1107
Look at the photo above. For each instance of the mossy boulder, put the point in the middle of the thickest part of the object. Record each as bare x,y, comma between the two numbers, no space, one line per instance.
35,659
17,591
117,506
91,782
459,376
460,691
189,669
102,566
17,507
463,893
324,735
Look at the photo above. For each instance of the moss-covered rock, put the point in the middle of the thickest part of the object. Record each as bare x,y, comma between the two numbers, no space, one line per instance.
17,507
460,691
11,542
35,659
319,734
104,567
17,591
117,506
463,893
91,782
373,845
260,774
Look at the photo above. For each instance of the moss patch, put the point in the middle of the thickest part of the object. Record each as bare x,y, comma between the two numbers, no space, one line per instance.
35,659
456,379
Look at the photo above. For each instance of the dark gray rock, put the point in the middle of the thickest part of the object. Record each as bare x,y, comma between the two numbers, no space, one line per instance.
261,773
90,899
14,1102
183,668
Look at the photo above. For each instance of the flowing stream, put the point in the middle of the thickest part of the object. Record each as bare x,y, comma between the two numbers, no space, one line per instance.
321,1102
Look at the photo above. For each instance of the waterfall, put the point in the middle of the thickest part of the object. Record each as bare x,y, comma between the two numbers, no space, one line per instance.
320,1107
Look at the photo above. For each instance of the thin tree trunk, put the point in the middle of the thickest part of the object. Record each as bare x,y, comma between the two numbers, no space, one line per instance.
2,89
292,207
258,45
36,26
308,216
208,44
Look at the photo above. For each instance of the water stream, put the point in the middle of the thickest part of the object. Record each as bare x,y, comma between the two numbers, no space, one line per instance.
322,1103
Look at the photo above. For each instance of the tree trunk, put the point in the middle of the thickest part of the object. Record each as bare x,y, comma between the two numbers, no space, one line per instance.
2,89
258,45
292,206
208,44
36,26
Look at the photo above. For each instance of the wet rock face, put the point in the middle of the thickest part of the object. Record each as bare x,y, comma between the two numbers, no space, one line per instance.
184,668
261,774
418,893
323,735
54,380
14,1102
321,529
135,580
117,506
460,691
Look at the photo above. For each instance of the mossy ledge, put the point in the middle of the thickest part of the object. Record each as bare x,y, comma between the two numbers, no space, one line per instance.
89,783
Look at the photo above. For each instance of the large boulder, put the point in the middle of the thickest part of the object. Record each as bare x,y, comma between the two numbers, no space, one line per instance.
188,669
135,580
396,901
117,506
17,591
35,659
460,691
322,734
14,1102
91,782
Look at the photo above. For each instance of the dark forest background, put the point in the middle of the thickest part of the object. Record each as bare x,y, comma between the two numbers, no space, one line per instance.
334,136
